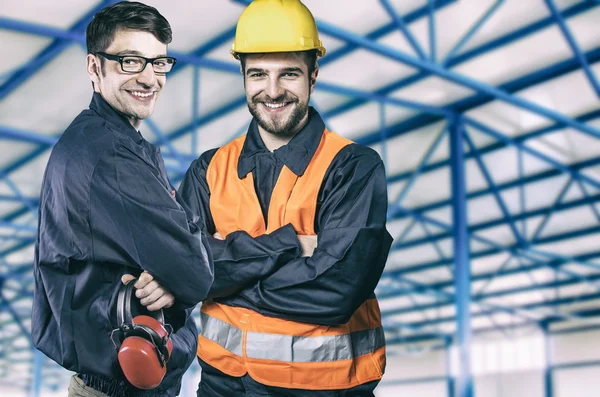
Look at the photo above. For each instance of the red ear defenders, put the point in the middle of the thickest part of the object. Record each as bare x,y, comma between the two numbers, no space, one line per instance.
143,342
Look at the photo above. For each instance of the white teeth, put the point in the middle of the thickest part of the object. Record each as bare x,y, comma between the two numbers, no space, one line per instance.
274,105
141,94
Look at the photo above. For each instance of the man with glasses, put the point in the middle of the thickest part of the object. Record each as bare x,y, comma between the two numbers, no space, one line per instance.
108,213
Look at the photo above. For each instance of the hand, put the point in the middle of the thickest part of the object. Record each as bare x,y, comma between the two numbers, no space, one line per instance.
151,294
307,244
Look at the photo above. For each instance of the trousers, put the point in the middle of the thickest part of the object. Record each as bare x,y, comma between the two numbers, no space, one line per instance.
78,389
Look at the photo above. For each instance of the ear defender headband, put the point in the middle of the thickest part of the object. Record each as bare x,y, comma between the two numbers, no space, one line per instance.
143,342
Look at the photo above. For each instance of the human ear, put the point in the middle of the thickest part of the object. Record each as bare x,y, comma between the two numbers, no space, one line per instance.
93,70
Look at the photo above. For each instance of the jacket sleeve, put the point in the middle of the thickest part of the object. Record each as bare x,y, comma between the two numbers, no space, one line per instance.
135,221
353,244
239,260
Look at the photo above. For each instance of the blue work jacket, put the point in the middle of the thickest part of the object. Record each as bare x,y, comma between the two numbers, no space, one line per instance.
107,208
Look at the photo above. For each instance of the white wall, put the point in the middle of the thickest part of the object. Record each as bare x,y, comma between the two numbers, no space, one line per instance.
571,348
429,364
433,389
418,365
530,384
565,349
578,382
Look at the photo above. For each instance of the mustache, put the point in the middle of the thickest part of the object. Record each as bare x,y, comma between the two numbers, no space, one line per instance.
141,87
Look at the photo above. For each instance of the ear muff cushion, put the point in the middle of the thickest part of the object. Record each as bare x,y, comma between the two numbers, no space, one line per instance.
137,355
140,364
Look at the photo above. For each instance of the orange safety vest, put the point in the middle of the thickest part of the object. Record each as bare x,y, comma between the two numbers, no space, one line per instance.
275,351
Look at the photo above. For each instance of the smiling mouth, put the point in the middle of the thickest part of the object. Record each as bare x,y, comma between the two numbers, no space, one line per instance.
142,95
276,106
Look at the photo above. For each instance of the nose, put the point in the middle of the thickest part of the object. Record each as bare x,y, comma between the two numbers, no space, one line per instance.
274,89
147,77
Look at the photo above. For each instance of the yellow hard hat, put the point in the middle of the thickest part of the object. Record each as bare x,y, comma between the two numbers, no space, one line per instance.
276,26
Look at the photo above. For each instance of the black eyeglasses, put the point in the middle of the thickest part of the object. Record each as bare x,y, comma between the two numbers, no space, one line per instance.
136,64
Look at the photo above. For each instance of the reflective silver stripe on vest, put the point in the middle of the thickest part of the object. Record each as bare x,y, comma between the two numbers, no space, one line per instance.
226,335
303,349
299,349
368,341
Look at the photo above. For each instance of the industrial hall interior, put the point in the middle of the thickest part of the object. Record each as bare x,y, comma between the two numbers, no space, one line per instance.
484,113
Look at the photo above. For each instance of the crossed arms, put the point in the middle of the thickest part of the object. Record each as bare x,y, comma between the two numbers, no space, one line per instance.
270,274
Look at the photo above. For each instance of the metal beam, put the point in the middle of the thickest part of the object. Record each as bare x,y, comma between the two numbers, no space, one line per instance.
402,26
527,307
26,136
548,390
574,46
516,183
16,199
489,224
471,32
79,37
494,44
423,337
477,255
42,58
223,66
385,30
582,364
17,247
526,252
440,285
38,365
464,105
451,386
422,164
462,264
355,93
16,318
53,51
416,381
492,186
19,227
330,58
547,159
584,118
195,109
431,29
485,48
551,210
477,297
41,30
378,33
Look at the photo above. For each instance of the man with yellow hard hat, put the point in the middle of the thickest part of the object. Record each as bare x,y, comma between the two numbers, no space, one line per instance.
300,214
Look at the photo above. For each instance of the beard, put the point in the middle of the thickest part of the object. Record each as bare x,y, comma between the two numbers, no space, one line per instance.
279,126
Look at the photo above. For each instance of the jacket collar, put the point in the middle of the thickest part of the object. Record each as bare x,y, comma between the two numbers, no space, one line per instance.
117,119
296,155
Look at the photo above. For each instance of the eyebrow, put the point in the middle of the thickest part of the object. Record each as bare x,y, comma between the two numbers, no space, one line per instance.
134,52
293,69
254,70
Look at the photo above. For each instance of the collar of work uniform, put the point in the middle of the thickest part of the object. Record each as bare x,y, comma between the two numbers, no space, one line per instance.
104,110
295,155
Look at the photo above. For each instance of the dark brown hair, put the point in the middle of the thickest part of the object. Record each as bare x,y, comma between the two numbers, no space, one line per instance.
127,15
